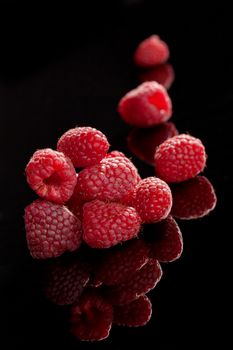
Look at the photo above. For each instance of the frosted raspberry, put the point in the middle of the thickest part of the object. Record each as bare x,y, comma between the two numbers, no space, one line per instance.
135,314
106,224
163,74
114,154
145,106
66,280
113,179
121,263
180,158
151,51
143,142
193,199
140,283
91,319
51,175
153,200
166,242
51,229
85,146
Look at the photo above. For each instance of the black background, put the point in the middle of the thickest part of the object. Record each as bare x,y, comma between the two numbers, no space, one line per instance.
70,66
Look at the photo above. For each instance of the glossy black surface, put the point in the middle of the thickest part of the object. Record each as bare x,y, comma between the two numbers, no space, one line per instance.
74,74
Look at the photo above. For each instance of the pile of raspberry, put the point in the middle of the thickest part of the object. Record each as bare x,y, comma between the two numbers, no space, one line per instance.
91,197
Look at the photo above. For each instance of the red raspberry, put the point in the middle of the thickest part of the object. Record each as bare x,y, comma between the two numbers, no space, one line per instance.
166,242
113,179
143,142
153,200
66,280
51,229
85,146
51,175
151,51
107,224
145,106
135,314
91,318
121,264
193,199
114,154
180,158
163,74
140,283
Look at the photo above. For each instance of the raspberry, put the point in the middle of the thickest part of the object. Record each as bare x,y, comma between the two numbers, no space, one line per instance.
163,74
107,224
117,154
143,142
135,314
51,229
114,154
193,199
166,242
151,51
51,175
91,318
66,280
180,158
145,106
85,146
113,179
153,200
120,264
140,283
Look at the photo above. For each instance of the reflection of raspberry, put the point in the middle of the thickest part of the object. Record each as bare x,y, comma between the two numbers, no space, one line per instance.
51,229
145,106
135,314
140,283
163,74
153,200
180,158
85,146
120,264
166,242
66,281
143,142
113,179
106,224
91,318
51,175
151,51
94,282
193,199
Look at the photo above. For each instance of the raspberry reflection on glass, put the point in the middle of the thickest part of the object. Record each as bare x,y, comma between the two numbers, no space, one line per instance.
103,229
